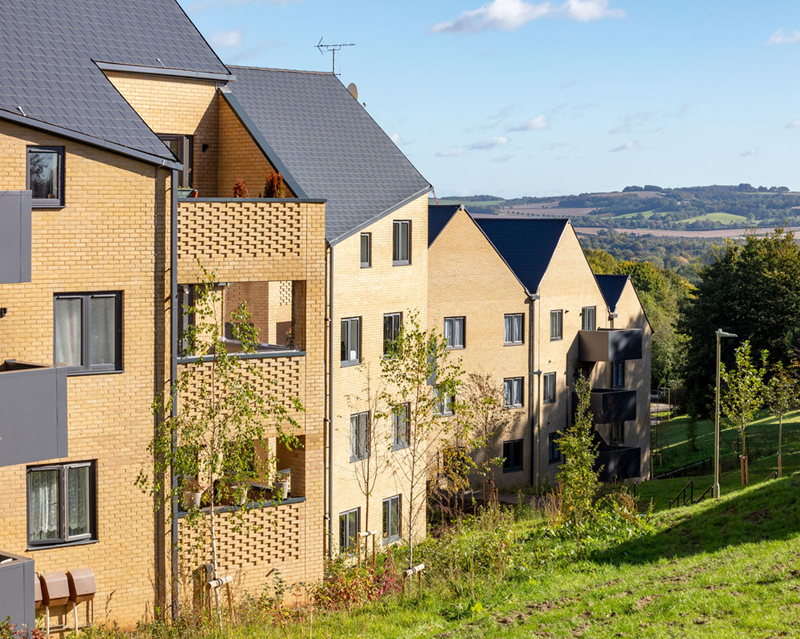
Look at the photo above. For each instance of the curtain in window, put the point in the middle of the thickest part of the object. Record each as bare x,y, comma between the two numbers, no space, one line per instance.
43,504
68,332
458,333
353,341
102,334
78,501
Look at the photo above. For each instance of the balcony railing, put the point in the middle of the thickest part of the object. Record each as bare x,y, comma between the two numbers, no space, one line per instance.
607,405
618,464
15,240
33,419
610,345
17,590
249,239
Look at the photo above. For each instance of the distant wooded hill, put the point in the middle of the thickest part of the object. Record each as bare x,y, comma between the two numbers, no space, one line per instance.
695,208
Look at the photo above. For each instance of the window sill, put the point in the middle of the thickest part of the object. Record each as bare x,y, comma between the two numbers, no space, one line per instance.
46,205
513,407
513,470
548,401
556,339
81,373
366,266
391,540
397,447
347,364
353,460
455,348
403,263
66,544
513,343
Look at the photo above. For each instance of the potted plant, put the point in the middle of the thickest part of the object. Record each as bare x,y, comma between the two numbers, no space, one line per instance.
193,495
280,490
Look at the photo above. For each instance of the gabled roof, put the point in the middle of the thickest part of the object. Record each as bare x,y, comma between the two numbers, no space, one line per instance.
438,217
527,245
49,78
327,143
612,286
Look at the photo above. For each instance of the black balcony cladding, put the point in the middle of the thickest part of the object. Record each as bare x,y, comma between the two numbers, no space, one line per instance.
15,239
618,464
33,420
610,345
607,405
17,590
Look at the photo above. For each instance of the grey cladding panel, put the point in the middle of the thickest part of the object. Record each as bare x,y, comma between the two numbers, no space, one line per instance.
16,590
607,405
15,238
619,464
610,345
33,422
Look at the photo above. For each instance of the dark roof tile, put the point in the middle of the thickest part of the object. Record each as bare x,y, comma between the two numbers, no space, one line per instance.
612,286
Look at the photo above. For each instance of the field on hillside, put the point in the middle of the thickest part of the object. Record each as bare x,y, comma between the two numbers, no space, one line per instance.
719,216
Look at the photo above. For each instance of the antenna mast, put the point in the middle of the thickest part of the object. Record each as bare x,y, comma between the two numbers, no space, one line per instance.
333,48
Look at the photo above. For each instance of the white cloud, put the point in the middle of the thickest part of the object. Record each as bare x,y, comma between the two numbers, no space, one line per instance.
398,139
509,15
628,146
503,158
779,37
621,129
793,124
488,143
227,39
454,152
748,154
534,124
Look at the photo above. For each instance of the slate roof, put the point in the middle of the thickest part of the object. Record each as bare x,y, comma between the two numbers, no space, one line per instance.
527,245
438,217
325,144
47,50
612,286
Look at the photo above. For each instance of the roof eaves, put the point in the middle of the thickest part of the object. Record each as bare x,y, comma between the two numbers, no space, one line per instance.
241,113
88,139
164,71
382,214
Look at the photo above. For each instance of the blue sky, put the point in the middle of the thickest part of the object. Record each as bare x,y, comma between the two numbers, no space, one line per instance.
527,97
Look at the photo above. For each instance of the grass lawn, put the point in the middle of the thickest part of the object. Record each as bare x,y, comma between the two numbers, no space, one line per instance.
719,216
625,216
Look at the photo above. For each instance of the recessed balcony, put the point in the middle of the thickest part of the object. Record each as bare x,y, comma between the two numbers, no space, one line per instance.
611,405
610,345
618,464
15,240
33,420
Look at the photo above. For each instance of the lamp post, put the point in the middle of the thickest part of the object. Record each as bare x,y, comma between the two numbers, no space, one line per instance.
720,334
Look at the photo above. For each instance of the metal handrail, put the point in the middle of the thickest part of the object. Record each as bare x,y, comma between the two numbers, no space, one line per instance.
703,496
690,486
686,467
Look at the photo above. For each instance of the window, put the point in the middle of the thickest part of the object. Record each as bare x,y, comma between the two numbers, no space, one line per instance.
617,433
556,324
512,454
348,528
186,299
553,451
392,515
512,329
512,392
444,404
454,332
400,425
359,436
391,329
46,175
588,315
401,243
549,388
618,375
366,250
182,147
88,331
351,340
61,503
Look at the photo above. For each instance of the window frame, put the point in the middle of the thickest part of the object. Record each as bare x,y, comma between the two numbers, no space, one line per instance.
399,321
455,318
344,518
515,317
398,499
359,450
517,449
618,433
510,382
552,447
399,443
397,226
618,374
348,320
47,203
87,368
186,176
444,404
64,538
368,238
558,316
584,314
549,398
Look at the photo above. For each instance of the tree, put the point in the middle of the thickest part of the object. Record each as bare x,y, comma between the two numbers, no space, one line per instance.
743,396
420,379
221,415
577,476
782,391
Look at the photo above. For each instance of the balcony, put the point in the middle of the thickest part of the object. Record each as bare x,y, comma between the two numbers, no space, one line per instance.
607,406
33,421
249,240
610,345
618,464
15,240
17,590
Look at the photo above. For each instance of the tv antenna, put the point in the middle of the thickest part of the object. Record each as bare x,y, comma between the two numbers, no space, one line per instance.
333,48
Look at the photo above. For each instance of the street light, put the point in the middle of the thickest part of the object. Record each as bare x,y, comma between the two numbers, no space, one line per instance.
720,334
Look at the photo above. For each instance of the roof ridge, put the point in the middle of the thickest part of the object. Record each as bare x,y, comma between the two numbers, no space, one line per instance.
239,66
